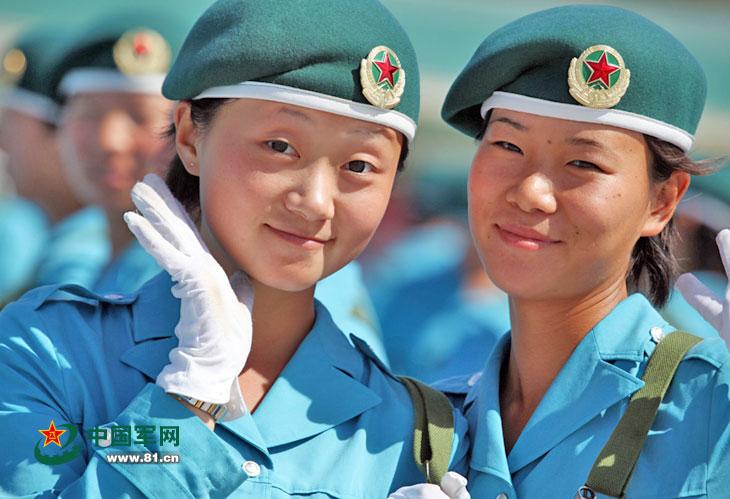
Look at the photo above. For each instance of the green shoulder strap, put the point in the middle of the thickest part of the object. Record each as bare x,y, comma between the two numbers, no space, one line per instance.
433,429
615,464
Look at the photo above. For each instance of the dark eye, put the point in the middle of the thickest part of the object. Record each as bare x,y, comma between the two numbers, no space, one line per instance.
281,147
359,166
585,165
508,146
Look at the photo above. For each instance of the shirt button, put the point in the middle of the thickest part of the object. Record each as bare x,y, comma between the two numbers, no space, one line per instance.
251,469
502,496
656,334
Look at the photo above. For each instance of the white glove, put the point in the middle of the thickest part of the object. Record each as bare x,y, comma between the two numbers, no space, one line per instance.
215,315
715,310
453,486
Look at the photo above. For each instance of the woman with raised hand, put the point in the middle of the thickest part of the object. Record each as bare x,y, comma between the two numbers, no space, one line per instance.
292,122
584,116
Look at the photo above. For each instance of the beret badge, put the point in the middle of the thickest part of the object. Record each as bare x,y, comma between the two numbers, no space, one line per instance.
142,51
14,64
598,78
382,78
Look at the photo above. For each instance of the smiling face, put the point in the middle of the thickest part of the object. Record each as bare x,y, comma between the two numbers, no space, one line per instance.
556,206
288,194
109,141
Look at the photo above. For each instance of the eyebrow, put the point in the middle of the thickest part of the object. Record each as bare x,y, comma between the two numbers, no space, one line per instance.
580,141
380,131
512,123
294,113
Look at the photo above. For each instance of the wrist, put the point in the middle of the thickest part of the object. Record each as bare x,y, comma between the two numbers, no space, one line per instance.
206,417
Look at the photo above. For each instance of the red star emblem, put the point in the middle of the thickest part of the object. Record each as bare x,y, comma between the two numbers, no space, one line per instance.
52,434
141,44
601,70
387,70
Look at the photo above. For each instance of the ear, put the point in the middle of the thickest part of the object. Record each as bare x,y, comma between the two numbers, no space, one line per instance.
666,198
186,138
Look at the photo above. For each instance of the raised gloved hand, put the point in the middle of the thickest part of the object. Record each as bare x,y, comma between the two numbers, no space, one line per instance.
215,327
453,486
715,310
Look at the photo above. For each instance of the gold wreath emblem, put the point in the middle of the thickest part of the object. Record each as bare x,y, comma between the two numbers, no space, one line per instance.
142,51
590,96
14,65
382,94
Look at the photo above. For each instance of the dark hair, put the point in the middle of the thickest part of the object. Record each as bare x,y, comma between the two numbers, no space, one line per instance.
653,266
186,187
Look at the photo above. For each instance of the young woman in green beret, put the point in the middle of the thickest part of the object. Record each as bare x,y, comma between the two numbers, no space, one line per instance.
292,122
584,116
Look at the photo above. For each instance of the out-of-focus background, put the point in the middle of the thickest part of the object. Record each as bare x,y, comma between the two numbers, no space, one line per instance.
421,270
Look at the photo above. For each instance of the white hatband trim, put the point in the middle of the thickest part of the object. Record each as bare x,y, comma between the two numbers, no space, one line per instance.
574,112
109,80
314,100
31,103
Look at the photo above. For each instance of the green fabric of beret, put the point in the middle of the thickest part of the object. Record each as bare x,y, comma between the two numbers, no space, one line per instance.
26,69
307,53
129,51
526,66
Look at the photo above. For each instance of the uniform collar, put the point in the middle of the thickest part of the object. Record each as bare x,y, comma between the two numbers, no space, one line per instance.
589,382
322,384
323,381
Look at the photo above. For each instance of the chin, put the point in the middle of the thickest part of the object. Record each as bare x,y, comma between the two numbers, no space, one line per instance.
286,278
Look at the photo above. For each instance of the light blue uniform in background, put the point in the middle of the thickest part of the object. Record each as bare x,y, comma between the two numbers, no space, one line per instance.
335,423
128,271
23,236
348,301
687,452
78,248
434,328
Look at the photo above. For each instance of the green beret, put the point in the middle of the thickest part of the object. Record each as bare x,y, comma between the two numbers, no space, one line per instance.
26,69
589,63
125,52
347,57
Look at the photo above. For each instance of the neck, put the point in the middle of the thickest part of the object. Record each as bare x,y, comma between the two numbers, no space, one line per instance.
544,335
119,234
281,320
56,209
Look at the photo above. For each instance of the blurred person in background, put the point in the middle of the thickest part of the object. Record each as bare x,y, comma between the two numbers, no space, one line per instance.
440,314
111,127
44,223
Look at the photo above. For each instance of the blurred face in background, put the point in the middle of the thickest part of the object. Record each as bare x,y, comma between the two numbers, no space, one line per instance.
32,155
109,141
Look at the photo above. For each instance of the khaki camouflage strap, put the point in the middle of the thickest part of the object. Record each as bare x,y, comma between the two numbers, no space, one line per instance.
615,464
433,429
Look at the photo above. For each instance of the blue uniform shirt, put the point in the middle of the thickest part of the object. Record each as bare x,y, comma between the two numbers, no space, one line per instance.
78,249
23,236
334,424
348,301
128,271
686,454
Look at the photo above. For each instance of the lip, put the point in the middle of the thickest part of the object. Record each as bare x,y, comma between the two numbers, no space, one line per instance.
524,237
308,242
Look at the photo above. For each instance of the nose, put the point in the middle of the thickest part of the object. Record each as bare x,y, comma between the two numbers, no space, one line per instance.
312,197
534,192
116,132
